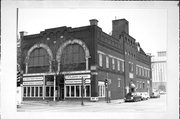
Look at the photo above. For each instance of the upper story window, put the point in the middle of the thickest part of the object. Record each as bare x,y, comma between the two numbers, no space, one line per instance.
100,60
107,62
73,54
73,58
142,71
122,65
119,82
136,70
130,67
118,66
113,64
38,61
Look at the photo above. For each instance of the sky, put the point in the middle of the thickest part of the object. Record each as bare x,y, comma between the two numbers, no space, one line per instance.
147,26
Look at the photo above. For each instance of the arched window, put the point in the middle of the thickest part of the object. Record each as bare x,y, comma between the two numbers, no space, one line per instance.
73,58
38,61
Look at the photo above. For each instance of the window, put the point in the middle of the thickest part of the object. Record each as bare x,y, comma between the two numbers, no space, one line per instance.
122,66
137,84
67,91
142,71
52,91
38,61
87,90
28,91
24,91
118,65
41,91
148,74
47,92
32,91
72,91
100,60
136,70
73,58
113,64
77,91
119,82
143,85
107,62
36,92
101,90
130,67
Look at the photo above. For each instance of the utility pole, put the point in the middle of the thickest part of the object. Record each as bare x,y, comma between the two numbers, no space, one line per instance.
82,91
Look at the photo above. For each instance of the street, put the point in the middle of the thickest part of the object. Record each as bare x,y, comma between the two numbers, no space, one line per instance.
151,105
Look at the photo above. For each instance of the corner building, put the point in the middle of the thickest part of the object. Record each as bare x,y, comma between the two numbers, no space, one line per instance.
61,56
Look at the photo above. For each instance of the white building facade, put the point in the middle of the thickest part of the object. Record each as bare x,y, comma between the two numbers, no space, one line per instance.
159,71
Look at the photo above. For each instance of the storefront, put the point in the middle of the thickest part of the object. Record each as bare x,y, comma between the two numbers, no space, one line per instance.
73,83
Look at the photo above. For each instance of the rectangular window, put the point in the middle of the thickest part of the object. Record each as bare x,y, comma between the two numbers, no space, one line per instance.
100,60
142,71
118,65
28,91
122,66
107,62
24,91
47,91
40,92
52,91
77,91
136,70
101,91
113,64
148,74
67,91
119,82
36,91
137,84
143,85
87,91
32,91
72,91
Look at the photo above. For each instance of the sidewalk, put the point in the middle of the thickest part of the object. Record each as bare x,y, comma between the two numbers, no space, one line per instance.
51,103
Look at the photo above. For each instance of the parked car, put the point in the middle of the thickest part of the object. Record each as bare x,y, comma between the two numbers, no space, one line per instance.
132,97
155,94
144,96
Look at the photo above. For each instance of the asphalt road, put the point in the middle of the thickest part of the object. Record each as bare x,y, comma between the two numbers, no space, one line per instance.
151,105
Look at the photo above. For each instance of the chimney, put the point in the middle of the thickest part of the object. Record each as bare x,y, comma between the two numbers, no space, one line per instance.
93,22
23,33
119,26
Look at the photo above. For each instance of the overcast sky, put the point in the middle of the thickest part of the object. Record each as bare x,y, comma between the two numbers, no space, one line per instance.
147,26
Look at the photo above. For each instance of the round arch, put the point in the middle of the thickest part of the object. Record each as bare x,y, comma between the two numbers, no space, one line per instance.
39,45
69,42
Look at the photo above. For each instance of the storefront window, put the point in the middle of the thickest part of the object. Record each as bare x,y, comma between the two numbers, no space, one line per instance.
67,91
72,91
52,91
41,92
36,92
28,91
87,91
47,91
77,91
32,91
24,91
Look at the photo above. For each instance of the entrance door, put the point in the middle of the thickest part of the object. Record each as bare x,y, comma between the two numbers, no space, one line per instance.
62,92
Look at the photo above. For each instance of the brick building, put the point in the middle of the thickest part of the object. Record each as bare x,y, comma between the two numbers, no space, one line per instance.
61,56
